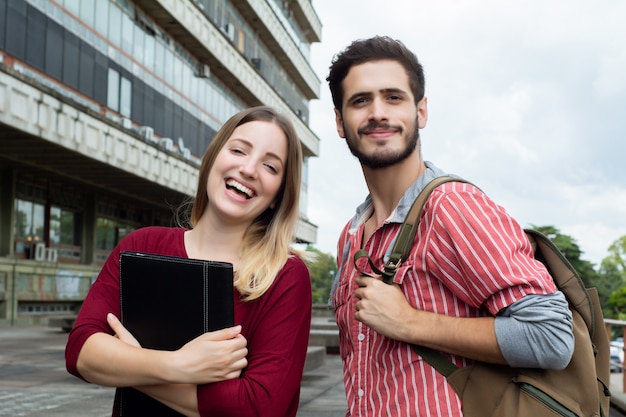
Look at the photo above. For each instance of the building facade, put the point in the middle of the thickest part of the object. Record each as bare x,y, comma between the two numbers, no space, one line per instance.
106,108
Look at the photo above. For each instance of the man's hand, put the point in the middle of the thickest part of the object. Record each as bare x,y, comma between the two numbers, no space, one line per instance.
382,307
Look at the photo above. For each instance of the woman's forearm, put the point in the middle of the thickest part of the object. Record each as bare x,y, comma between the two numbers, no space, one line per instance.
106,360
180,397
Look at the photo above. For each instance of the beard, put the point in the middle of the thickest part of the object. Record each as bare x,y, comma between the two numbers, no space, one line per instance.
379,160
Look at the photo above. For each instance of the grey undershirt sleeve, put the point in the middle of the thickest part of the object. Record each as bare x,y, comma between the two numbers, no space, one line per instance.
536,332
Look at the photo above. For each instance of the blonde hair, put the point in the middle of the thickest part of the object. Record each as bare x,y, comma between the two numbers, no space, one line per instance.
266,244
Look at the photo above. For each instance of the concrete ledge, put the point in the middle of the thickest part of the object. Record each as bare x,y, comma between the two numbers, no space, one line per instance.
65,323
315,357
326,338
323,323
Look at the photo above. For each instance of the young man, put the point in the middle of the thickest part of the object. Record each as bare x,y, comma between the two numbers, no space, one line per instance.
470,288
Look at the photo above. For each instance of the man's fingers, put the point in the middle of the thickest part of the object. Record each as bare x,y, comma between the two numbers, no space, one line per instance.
362,280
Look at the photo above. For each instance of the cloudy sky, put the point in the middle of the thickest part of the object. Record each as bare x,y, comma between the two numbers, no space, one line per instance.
526,99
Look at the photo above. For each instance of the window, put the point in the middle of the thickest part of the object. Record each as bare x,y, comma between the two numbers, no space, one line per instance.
62,226
119,93
126,91
44,228
115,25
102,17
113,91
87,12
109,232
28,227
29,221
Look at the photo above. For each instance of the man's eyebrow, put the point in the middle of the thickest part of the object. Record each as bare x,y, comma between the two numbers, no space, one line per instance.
359,94
394,90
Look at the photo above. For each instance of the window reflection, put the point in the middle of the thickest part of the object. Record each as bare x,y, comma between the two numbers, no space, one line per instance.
125,97
113,90
29,221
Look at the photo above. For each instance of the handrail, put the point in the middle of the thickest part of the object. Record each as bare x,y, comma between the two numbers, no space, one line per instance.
609,323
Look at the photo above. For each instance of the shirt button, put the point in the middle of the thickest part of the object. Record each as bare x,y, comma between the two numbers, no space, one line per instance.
361,336
361,392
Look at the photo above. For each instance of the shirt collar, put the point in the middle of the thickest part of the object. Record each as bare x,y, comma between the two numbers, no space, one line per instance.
365,209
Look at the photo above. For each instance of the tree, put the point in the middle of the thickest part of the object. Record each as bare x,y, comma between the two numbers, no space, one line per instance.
570,249
617,255
322,272
613,270
609,285
617,302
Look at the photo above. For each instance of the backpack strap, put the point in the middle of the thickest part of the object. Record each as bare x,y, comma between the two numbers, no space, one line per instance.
404,241
400,251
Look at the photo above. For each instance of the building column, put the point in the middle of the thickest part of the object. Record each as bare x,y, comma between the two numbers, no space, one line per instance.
7,213
89,229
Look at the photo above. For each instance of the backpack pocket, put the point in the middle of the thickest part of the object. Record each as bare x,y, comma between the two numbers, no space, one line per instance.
497,391
535,400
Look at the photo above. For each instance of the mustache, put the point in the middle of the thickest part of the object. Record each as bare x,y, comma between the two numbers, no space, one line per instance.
372,125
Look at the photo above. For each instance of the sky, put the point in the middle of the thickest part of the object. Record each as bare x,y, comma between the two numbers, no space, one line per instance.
526,99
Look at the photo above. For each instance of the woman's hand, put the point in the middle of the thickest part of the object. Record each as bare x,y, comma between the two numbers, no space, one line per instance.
120,331
211,357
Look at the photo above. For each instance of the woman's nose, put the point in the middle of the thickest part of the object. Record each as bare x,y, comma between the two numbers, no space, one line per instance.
248,168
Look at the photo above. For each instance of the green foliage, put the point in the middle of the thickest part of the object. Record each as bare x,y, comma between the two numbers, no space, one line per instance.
570,249
613,270
322,272
609,279
617,302
617,255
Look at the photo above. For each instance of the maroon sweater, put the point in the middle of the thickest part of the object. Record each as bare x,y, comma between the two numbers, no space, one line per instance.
276,327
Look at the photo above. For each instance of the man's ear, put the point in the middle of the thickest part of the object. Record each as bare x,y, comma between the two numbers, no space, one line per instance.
422,112
339,123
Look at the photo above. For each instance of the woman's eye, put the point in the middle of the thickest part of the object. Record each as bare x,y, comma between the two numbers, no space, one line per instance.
272,168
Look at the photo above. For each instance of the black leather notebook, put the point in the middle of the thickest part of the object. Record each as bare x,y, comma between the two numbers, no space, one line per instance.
166,302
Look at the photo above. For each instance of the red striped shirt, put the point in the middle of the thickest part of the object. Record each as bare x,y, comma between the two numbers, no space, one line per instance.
469,258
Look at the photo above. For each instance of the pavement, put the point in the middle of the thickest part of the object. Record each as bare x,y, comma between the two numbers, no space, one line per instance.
35,383
618,396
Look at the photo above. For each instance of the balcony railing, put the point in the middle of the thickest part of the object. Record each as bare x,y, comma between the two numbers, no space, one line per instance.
610,323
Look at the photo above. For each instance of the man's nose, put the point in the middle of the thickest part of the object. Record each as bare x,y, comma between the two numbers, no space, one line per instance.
378,110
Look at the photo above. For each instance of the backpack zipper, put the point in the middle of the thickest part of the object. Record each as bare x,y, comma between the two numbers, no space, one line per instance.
547,400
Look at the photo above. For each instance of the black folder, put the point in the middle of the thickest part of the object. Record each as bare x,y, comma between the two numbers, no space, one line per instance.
166,302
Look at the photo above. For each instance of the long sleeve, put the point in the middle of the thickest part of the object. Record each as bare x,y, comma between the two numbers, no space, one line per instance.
104,294
277,328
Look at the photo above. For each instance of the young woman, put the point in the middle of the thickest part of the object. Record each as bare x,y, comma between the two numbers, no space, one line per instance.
244,212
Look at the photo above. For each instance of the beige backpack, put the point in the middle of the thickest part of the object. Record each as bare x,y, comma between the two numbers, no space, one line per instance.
581,389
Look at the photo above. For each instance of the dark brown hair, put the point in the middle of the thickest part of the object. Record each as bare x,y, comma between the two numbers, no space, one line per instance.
374,49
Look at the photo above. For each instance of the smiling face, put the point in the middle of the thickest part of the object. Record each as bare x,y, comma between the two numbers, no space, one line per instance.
379,118
248,172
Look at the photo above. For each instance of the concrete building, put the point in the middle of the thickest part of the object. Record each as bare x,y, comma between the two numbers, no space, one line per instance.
106,107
